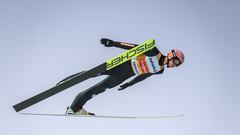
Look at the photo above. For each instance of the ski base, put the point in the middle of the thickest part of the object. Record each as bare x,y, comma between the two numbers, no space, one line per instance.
106,116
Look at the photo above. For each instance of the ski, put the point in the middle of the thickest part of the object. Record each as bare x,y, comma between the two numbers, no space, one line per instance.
105,116
112,63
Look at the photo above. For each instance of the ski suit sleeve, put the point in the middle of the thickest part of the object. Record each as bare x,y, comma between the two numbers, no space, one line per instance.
153,52
129,46
137,79
124,45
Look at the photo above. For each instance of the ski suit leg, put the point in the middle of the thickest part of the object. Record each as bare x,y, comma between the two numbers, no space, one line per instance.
109,82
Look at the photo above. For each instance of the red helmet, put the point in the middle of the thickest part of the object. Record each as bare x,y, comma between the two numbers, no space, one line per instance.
180,55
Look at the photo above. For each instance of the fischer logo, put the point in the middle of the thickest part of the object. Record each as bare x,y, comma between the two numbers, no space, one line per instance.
129,55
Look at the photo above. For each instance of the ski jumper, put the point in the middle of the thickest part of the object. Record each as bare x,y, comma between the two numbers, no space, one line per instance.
144,66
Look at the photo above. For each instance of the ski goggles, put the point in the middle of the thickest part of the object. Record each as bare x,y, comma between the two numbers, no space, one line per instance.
176,60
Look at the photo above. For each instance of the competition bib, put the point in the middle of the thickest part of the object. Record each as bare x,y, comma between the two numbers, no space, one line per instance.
143,64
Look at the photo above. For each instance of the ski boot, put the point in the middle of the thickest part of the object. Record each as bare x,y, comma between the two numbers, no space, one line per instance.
82,111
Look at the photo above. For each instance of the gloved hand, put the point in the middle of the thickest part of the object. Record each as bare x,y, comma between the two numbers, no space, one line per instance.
107,42
124,86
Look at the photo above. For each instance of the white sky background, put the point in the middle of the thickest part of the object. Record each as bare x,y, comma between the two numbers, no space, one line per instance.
41,42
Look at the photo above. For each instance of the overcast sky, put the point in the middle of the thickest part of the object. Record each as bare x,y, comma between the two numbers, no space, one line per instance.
43,41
